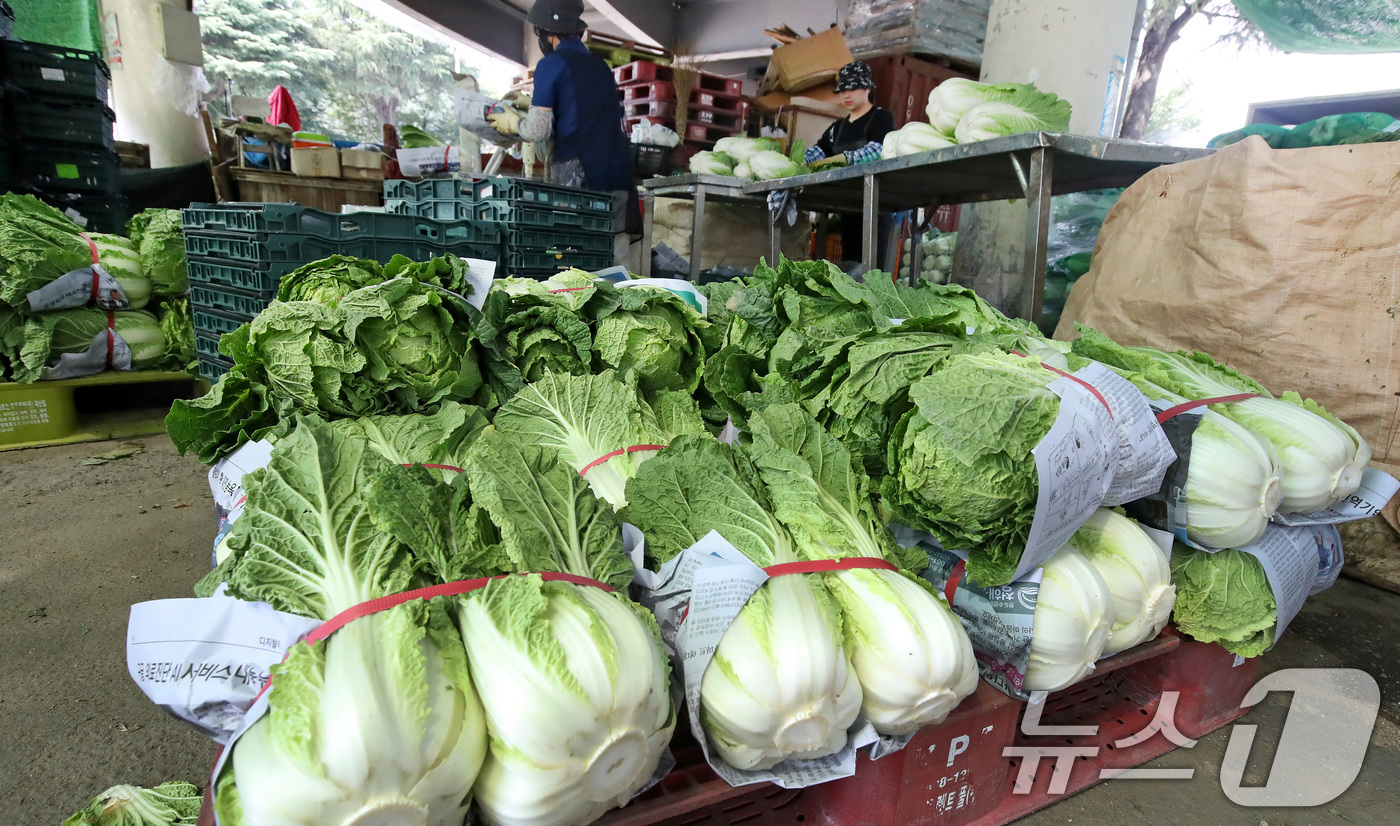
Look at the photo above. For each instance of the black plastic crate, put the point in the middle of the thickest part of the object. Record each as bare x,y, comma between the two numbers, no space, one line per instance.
93,211
216,323
56,70
292,219
256,278
554,239
519,190
534,259
228,300
37,121
60,168
652,161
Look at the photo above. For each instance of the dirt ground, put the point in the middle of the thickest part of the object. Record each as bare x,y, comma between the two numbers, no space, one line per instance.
82,542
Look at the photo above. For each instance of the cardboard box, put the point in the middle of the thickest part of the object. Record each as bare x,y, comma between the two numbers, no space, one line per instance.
429,160
823,99
318,162
805,63
363,164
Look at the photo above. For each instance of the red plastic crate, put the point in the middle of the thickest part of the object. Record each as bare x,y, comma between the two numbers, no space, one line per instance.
641,71
709,132
718,86
718,101
649,108
650,89
920,786
735,119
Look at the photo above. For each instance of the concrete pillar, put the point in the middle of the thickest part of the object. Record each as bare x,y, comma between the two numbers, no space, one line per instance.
1075,48
156,100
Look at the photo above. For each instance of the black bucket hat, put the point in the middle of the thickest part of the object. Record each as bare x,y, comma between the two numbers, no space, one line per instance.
855,75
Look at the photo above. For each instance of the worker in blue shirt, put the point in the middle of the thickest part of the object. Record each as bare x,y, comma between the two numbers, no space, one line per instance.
576,105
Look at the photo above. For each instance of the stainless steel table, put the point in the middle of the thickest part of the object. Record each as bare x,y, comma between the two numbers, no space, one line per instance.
699,189
1033,165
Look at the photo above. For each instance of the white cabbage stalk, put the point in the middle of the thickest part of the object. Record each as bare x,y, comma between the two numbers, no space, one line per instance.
780,685
1137,573
742,170
576,698
368,751
1232,484
950,99
121,261
1322,460
915,137
1073,618
910,652
705,163
768,165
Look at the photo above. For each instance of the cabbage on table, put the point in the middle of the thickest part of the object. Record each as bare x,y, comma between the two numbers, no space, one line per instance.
42,338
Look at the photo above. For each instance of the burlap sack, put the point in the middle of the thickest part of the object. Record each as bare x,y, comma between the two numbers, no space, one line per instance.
1282,263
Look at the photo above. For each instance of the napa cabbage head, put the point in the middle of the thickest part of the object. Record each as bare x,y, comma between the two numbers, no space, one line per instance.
960,462
379,722
911,655
711,163
39,244
1074,616
161,245
46,336
1224,597
169,804
329,280
1137,574
952,99
1038,113
767,165
652,335
573,679
780,685
1322,458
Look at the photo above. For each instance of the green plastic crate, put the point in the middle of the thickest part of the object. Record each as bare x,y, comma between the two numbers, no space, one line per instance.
258,278
207,345
212,368
519,190
228,300
503,213
292,219
299,249
216,323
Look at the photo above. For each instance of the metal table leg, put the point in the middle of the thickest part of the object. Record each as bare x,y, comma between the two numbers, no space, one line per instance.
823,230
1038,180
697,233
870,223
648,217
775,237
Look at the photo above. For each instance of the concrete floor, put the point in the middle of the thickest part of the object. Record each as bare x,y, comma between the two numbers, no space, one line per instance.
82,543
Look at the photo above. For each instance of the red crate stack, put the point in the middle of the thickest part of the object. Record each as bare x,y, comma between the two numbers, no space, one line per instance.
716,107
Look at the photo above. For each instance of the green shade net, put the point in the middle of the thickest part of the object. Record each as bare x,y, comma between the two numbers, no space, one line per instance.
1327,26
71,23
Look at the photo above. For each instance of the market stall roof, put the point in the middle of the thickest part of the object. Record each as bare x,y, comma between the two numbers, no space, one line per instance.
497,26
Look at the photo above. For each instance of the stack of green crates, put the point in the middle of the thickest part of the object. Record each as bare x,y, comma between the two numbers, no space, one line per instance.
237,254
546,228
58,132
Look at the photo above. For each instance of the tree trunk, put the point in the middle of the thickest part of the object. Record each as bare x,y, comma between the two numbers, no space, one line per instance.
1161,31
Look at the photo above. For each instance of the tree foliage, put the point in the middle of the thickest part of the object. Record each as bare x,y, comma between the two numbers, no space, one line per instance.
1164,21
348,71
